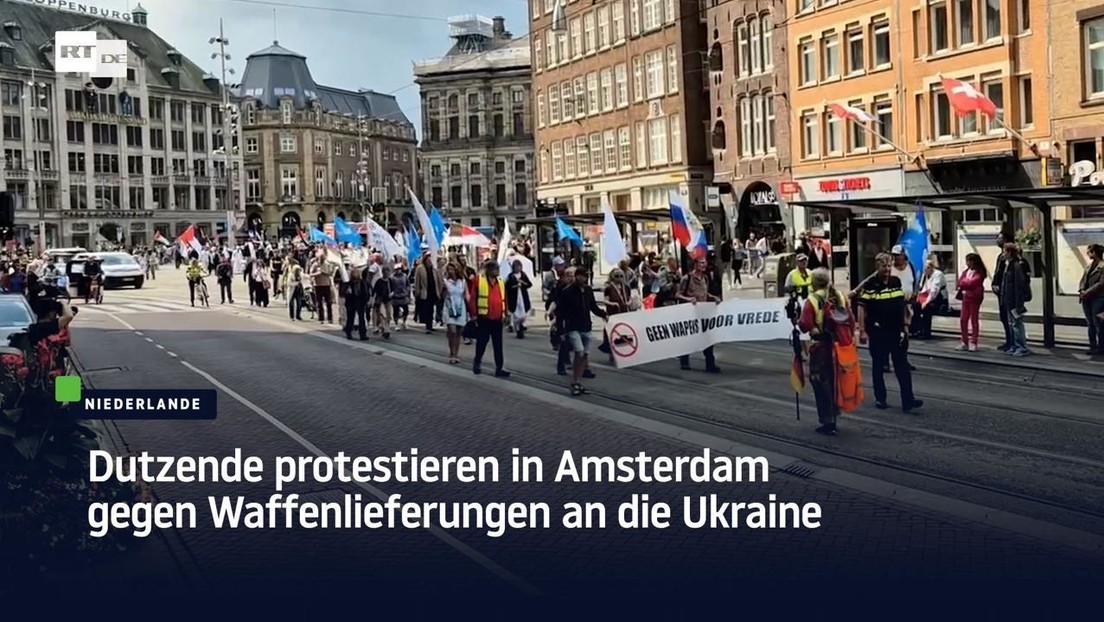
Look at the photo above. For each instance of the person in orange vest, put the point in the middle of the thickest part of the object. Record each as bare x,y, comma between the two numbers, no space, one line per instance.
488,306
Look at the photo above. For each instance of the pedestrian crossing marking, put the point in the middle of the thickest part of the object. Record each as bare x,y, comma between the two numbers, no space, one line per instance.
124,308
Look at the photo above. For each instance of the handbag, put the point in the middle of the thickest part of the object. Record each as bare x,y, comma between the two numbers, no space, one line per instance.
468,332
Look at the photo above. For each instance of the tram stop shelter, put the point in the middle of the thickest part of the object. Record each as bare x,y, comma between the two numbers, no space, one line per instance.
1006,201
546,229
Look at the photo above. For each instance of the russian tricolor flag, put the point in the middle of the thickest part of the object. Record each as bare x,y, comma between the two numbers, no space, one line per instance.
686,228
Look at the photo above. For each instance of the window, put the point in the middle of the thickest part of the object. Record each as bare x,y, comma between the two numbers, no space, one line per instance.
883,116
856,62
285,113
500,195
157,139
937,27
672,69
521,194
858,128
76,162
758,146
641,146
177,138
671,13
1094,58
457,193
561,48
603,27
621,80
1027,108
591,33
287,144
993,88
634,17
657,137
584,159
593,102
540,110
831,56
676,138
337,149
576,31
638,79
11,93
473,127
553,106
611,150
810,135
568,100
992,19
289,182
13,128
538,54
942,121
745,127
768,51
880,37
251,145
964,17
617,16
768,103
253,184
320,182
653,14
1023,9
833,135
624,142
476,194
744,49
653,63
607,89
805,5
580,98
569,158
808,62
596,154
756,43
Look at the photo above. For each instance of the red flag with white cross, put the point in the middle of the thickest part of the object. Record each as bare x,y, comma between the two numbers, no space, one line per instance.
965,98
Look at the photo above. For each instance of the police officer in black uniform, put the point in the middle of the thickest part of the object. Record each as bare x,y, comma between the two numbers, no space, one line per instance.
883,323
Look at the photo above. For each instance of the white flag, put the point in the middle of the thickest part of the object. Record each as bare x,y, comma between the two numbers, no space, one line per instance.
504,243
429,238
613,247
382,241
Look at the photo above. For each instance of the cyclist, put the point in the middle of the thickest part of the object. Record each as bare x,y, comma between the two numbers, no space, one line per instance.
93,275
194,274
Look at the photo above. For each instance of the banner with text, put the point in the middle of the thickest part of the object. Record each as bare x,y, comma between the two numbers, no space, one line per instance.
667,332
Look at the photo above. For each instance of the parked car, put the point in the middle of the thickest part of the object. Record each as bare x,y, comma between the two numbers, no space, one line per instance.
16,317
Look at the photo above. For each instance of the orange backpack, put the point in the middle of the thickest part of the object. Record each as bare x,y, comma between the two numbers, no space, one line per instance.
849,390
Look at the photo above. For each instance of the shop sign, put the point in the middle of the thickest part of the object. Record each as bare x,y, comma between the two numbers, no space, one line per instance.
713,196
846,184
1084,173
789,188
763,197
1053,172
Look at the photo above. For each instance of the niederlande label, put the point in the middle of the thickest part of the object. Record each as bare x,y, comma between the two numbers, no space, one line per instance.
146,404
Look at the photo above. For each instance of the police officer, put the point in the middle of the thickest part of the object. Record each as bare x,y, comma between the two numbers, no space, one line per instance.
883,323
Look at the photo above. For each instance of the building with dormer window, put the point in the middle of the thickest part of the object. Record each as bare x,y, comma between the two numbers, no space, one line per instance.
313,152
113,164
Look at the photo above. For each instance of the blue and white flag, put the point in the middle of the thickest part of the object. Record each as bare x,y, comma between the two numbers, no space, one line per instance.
413,244
423,220
613,245
318,235
344,233
914,240
440,227
567,233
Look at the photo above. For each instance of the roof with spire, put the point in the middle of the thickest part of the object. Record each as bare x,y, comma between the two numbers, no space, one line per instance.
277,72
38,23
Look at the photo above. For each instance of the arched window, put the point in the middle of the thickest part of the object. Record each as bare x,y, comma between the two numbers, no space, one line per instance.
716,57
718,138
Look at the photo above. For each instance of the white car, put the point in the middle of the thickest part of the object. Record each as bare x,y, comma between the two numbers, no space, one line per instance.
119,269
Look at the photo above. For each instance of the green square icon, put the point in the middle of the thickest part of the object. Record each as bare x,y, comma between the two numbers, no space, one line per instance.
67,388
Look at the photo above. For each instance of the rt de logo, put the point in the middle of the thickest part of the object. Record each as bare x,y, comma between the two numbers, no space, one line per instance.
82,52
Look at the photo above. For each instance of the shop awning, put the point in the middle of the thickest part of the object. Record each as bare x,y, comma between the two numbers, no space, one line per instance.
1043,199
634,216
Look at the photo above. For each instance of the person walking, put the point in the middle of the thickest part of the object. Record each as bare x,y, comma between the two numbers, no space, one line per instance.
574,306
293,275
1015,293
971,291
224,272
1090,291
400,296
517,298
322,275
428,287
456,309
381,301
355,296
618,298
694,288
739,258
826,318
488,307
883,323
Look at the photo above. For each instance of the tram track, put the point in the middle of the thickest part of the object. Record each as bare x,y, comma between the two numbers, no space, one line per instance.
619,401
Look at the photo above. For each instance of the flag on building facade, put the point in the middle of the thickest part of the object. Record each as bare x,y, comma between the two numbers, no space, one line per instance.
851,113
965,98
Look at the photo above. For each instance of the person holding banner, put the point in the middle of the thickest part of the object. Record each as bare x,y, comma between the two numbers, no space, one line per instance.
694,288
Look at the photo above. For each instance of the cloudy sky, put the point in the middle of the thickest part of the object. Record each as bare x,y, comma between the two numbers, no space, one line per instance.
343,49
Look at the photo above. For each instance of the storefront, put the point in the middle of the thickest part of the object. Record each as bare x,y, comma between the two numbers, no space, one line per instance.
759,211
840,187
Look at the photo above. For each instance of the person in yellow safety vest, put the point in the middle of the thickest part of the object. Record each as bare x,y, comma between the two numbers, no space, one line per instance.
489,310
822,367
797,286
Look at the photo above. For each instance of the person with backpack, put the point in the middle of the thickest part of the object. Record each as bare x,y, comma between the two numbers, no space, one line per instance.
883,323
833,359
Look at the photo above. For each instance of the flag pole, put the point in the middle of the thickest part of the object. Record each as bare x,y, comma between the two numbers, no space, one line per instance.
878,135
1031,144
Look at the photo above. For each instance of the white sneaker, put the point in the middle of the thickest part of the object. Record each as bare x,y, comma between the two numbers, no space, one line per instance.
973,347
961,347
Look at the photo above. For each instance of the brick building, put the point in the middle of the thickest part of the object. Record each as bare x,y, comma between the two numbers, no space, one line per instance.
750,112
622,106
887,58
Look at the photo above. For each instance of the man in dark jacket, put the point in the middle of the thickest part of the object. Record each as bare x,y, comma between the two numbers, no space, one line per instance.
1015,292
573,307
997,282
225,273
355,293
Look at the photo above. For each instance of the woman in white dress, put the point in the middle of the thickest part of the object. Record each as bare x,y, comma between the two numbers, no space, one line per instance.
455,309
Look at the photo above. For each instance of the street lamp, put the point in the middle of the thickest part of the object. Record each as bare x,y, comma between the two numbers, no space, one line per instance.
230,125
36,93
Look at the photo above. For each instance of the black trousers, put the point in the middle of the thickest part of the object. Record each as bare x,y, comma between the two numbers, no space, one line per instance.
399,312
486,330
427,311
886,346
1006,323
295,302
225,291
355,309
323,301
710,362
563,357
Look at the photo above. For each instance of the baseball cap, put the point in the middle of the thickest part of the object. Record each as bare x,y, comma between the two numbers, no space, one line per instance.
897,250
558,261
803,257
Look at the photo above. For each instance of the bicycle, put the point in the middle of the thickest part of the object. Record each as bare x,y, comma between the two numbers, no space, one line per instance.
95,290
